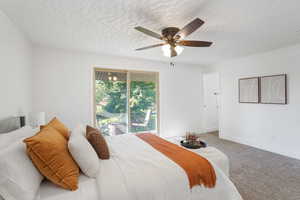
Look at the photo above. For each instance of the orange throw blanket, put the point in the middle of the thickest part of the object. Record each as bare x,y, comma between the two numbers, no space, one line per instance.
197,168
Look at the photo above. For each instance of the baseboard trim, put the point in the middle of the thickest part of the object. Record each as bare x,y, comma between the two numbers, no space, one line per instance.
258,147
208,130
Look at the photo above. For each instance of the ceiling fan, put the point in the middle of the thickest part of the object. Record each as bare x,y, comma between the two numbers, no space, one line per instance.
173,38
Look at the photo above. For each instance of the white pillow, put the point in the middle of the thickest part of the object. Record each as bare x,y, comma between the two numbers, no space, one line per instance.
7,139
19,179
79,130
83,153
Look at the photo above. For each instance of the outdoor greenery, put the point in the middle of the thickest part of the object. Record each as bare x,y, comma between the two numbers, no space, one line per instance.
113,96
111,103
142,99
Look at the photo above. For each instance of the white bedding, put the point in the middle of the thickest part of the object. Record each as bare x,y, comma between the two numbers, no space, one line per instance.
87,190
6,139
136,171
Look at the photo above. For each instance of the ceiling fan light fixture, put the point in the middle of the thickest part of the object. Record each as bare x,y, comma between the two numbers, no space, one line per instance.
173,38
179,49
167,50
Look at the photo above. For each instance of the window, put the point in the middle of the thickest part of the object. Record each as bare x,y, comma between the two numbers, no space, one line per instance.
126,101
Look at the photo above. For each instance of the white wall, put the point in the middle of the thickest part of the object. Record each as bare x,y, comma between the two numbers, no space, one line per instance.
270,127
15,70
63,88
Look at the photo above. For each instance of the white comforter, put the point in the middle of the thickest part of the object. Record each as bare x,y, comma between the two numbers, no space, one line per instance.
136,171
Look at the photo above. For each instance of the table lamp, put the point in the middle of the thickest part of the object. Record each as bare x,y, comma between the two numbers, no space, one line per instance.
37,119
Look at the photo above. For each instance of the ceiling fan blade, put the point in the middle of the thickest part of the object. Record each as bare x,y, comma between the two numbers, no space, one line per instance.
148,32
149,47
193,43
190,28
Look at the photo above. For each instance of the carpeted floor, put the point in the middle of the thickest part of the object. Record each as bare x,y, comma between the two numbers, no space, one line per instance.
258,174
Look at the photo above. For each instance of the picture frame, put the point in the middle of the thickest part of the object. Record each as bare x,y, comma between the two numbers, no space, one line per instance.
273,89
249,90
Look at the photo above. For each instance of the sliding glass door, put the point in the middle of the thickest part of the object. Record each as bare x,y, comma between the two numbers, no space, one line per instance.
126,101
111,99
143,102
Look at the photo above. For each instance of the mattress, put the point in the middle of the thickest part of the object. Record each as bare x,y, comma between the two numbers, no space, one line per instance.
87,190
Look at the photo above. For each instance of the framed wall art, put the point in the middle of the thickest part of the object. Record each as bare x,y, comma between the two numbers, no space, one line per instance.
249,90
273,89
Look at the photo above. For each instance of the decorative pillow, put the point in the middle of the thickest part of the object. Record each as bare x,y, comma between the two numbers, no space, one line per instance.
98,142
6,139
48,151
80,129
60,127
83,153
19,179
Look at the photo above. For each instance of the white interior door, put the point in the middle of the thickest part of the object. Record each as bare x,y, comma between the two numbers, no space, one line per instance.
211,101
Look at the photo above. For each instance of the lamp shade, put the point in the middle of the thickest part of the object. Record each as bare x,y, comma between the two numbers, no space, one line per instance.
37,119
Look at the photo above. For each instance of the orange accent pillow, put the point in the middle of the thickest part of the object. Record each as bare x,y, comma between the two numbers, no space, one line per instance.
48,150
55,123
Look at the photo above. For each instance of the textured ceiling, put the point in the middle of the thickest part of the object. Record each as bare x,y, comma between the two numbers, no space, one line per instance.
237,27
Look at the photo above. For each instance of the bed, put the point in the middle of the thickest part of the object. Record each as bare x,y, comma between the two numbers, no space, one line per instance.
137,171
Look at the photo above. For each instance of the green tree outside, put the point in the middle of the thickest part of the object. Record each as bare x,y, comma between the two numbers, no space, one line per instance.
111,97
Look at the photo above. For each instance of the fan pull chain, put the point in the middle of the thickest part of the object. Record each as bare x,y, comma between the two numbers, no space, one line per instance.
172,64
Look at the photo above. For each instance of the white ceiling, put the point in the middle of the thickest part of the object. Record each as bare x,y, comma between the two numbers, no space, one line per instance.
237,27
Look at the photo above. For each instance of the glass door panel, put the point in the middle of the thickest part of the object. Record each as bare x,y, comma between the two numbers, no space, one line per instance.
111,102
126,101
143,102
